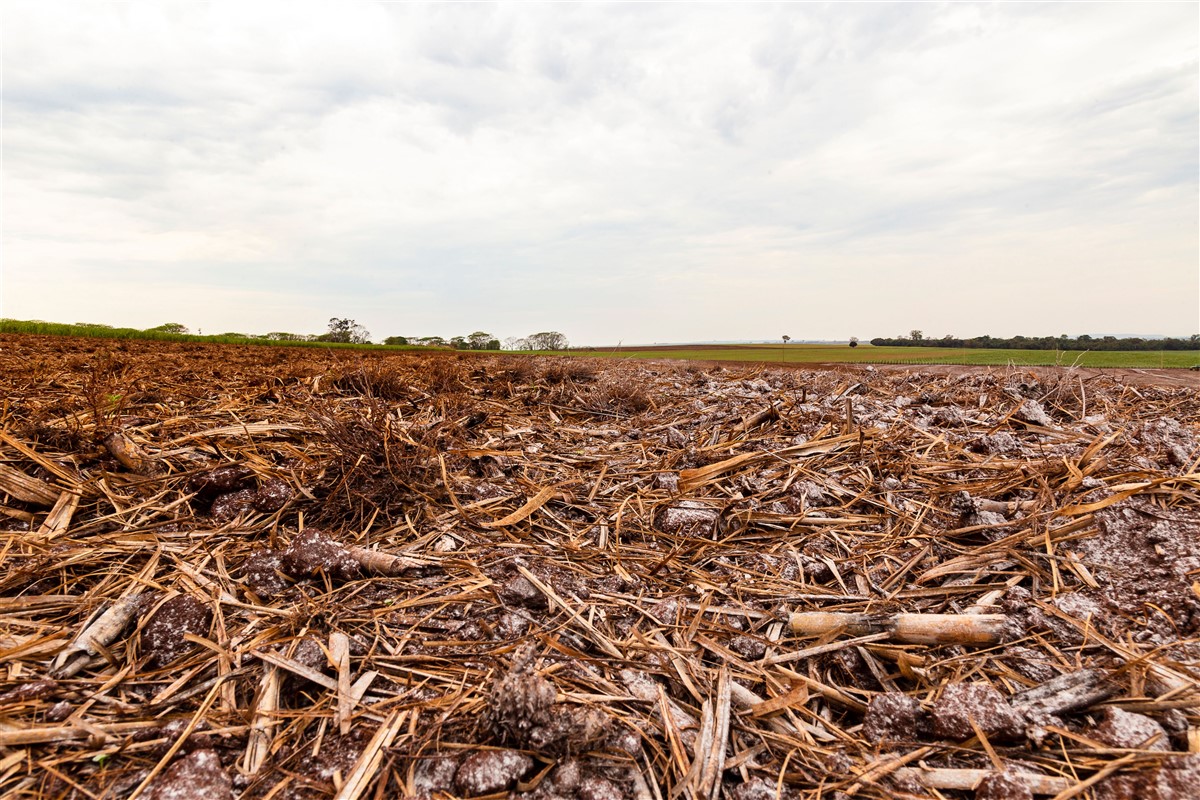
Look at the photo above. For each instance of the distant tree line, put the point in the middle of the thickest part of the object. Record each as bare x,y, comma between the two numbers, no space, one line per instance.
546,340
340,331
480,340
918,339
168,332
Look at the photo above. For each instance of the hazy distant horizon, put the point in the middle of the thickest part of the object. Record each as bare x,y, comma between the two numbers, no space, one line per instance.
617,172
863,340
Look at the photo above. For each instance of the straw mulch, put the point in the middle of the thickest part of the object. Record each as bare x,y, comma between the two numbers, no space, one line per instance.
283,573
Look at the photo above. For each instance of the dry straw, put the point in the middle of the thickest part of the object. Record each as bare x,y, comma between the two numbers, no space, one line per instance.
270,573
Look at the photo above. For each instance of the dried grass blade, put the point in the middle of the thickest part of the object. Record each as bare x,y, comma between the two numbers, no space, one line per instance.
533,504
71,479
372,756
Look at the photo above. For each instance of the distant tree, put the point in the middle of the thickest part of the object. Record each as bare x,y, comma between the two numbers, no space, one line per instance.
916,335
479,340
548,340
169,327
430,341
396,340
516,343
458,343
284,336
345,330
854,341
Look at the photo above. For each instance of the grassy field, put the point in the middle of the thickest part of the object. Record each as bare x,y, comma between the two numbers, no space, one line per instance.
866,354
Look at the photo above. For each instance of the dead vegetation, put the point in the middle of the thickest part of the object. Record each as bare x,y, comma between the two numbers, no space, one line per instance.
288,574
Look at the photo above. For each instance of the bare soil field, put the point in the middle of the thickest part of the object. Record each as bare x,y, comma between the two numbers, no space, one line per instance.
282,573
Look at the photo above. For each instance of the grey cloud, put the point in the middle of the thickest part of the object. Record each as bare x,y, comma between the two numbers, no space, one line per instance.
496,164
479,38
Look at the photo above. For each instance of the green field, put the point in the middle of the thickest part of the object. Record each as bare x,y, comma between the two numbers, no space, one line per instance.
866,354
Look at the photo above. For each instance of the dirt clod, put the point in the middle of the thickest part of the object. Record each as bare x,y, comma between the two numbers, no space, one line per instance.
195,776
229,506
315,552
163,638
1120,728
892,717
271,496
262,572
688,518
962,703
491,771
221,480
1003,786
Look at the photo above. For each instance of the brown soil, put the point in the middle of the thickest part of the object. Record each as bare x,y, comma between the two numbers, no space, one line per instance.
195,776
164,635
572,578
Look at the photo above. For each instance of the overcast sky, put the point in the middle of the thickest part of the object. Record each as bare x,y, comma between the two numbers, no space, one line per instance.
616,171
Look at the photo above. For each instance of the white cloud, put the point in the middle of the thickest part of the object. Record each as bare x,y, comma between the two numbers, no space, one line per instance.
627,171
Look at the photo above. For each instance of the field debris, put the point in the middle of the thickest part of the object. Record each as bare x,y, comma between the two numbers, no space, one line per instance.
268,573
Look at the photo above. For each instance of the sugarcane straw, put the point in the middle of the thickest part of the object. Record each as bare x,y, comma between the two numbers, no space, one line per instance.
906,628
130,456
968,779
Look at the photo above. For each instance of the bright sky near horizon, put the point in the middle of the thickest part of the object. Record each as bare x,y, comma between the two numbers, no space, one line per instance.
615,171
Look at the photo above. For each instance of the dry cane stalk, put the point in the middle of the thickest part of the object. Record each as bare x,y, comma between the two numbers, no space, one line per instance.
65,733
693,780
968,779
714,760
379,563
59,518
368,763
102,630
1071,692
906,628
339,651
258,744
27,489
127,453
